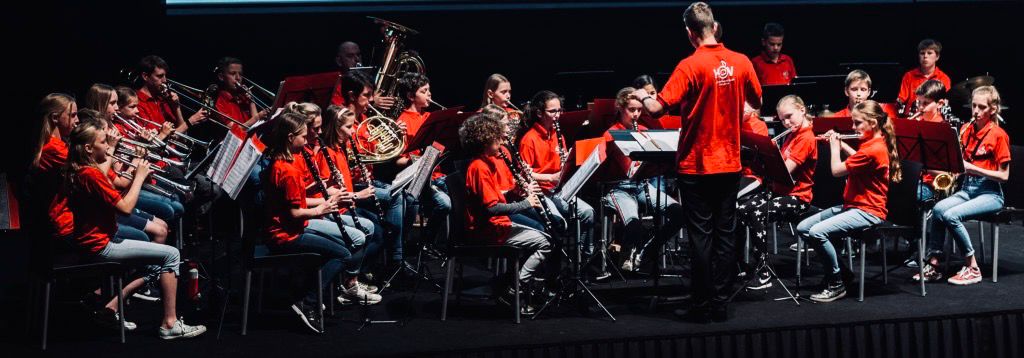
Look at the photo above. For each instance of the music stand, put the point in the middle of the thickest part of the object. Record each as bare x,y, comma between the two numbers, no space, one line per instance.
933,144
442,127
572,124
315,88
838,124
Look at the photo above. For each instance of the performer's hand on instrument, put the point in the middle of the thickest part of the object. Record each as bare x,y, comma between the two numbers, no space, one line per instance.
198,117
403,126
534,189
174,99
970,168
328,206
332,191
534,201
383,102
166,129
142,169
346,198
365,193
113,136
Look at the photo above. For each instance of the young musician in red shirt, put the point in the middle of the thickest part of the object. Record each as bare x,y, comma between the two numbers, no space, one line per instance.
800,152
498,91
857,89
294,227
772,66
931,99
95,204
628,196
232,99
710,88
505,178
59,117
545,151
158,104
986,150
928,53
348,56
870,169
488,207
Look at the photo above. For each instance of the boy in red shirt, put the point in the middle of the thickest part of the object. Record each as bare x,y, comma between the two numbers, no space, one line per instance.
857,89
928,52
870,169
348,56
232,99
156,104
710,87
772,66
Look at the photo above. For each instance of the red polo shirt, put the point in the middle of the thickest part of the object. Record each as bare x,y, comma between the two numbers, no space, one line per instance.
710,87
94,207
913,79
868,185
341,161
52,158
539,149
482,192
801,147
503,174
235,107
988,147
774,73
284,191
155,109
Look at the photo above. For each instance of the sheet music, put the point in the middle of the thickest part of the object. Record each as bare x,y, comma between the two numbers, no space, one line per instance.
239,172
573,185
222,162
423,173
404,177
656,141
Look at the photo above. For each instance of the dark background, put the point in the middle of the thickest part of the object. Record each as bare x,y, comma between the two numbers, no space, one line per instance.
65,47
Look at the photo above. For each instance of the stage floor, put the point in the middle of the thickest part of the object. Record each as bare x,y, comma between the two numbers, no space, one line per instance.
483,325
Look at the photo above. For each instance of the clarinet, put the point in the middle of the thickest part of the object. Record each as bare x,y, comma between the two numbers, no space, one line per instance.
353,154
563,154
524,180
323,190
339,179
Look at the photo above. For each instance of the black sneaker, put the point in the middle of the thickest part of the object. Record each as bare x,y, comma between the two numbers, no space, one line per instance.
148,293
763,281
833,291
309,315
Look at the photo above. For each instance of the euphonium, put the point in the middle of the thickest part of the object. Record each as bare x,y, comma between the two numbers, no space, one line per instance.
385,139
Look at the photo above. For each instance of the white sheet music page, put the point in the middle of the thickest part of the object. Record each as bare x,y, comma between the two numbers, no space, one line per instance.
239,172
589,166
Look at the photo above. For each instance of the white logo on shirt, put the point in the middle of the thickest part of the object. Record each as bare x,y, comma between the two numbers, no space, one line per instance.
724,74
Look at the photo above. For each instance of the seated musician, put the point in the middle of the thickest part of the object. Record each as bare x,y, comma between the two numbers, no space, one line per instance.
628,197
986,150
348,56
294,223
931,97
772,66
90,198
156,102
414,92
504,174
232,99
800,153
544,149
488,209
498,91
870,169
857,88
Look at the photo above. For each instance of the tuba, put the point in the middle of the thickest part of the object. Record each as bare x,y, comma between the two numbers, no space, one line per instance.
384,139
395,62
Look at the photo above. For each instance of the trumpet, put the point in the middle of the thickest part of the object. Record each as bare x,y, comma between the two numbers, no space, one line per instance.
179,135
148,186
123,148
157,145
181,188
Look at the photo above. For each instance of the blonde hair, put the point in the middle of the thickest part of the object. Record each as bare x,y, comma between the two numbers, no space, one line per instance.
54,104
993,97
794,100
857,75
699,19
305,109
98,97
875,114
493,81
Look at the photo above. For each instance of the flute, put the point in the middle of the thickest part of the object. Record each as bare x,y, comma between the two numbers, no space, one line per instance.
842,136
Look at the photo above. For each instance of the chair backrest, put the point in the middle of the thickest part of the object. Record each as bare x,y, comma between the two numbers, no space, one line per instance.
1012,189
902,196
456,182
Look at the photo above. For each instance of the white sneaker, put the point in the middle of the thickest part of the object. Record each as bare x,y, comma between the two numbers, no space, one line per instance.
110,319
806,249
368,287
357,294
181,330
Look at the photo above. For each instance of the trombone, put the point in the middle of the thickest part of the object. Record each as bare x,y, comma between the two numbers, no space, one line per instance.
191,94
178,135
181,188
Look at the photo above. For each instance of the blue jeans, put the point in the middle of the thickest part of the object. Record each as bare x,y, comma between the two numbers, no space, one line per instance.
924,192
156,258
978,196
329,229
585,214
336,256
833,222
161,206
394,216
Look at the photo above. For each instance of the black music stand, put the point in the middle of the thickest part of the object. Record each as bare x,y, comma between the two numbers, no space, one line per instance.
933,144
572,124
771,167
838,124
315,88
442,127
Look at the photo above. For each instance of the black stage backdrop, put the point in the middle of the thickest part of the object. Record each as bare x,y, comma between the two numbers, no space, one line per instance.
65,47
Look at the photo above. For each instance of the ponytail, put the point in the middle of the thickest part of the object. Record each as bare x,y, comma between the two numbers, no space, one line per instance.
873,111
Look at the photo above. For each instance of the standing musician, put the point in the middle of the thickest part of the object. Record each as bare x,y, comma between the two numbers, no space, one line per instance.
333,162
629,196
293,219
857,88
95,204
928,53
772,66
710,87
800,153
158,104
232,98
986,150
544,150
414,90
488,208
870,169
358,93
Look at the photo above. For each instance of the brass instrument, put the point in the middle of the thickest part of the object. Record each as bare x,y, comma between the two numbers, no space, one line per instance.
385,135
181,188
944,183
515,118
187,139
395,61
198,97
129,149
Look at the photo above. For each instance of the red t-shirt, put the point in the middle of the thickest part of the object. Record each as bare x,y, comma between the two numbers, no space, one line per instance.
868,184
235,107
988,148
94,207
539,149
284,191
482,192
843,113
337,97
774,73
710,87
913,79
52,158
341,160
802,148
155,109
503,174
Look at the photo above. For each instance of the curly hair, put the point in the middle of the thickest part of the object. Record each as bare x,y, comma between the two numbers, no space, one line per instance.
478,132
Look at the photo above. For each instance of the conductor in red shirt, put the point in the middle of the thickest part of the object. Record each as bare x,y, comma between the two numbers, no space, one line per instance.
710,87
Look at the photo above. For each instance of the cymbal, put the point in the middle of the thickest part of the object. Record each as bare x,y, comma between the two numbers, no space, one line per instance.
964,88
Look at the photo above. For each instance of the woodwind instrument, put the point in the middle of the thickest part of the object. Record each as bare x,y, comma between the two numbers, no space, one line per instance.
323,191
353,154
339,179
525,181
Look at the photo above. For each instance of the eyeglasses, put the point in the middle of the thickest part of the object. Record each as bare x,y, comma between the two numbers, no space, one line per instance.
554,111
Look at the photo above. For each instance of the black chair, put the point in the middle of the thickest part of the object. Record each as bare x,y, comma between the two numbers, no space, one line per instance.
111,270
1013,209
457,190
